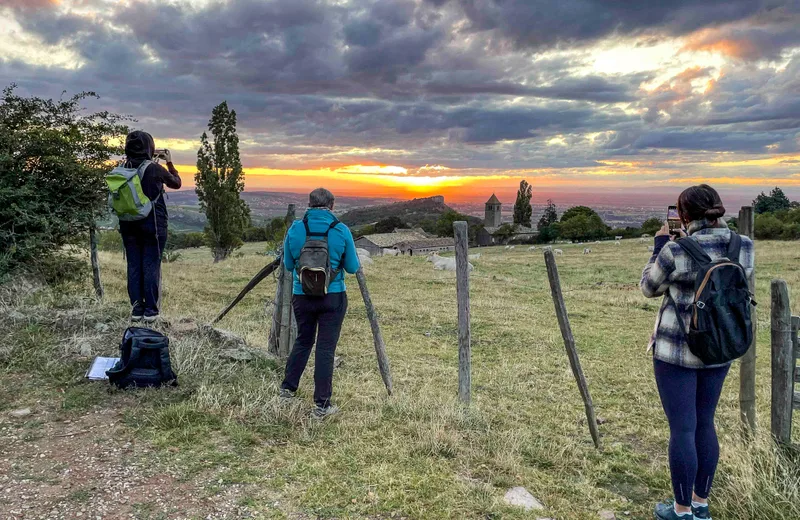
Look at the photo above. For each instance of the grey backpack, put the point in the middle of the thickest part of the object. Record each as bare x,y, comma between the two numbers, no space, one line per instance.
314,265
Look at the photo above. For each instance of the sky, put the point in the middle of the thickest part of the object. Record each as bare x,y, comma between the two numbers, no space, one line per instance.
411,98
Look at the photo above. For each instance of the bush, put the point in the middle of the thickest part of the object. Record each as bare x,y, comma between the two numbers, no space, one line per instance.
254,234
53,161
768,227
109,241
176,240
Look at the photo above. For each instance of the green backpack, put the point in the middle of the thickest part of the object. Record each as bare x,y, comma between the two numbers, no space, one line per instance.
126,198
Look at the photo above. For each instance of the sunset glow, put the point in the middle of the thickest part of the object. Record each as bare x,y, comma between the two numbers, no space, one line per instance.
408,98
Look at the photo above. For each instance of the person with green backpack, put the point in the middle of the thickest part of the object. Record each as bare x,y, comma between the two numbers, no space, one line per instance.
136,189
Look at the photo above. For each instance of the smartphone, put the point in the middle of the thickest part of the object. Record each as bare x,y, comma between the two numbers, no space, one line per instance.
674,220
160,154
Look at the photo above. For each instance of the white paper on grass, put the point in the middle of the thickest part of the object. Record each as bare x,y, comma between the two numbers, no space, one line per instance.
97,372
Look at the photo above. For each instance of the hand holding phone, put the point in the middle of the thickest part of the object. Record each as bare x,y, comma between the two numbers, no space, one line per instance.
674,221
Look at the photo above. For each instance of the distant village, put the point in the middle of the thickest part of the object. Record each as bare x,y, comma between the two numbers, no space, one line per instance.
416,241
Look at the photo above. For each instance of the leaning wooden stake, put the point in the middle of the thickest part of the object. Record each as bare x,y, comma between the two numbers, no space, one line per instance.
460,230
747,367
782,362
263,273
569,343
380,346
98,285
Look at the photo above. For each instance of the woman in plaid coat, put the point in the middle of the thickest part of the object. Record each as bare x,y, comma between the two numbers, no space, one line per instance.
689,389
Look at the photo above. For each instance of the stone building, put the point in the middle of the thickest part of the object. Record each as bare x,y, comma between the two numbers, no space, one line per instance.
492,222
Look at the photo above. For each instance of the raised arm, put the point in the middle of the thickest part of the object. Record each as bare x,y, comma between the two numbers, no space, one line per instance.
169,175
655,277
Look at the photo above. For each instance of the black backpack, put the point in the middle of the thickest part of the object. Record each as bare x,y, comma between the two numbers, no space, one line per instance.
144,360
721,326
314,265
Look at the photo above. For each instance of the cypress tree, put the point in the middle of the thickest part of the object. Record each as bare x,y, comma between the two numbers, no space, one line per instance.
522,207
219,181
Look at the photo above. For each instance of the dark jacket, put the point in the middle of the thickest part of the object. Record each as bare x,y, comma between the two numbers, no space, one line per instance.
140,147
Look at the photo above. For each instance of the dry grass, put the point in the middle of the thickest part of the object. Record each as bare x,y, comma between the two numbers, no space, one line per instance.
419,454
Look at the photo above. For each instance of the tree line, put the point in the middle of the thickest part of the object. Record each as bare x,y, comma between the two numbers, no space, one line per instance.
54,157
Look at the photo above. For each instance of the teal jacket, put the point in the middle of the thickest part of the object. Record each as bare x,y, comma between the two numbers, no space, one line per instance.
340,245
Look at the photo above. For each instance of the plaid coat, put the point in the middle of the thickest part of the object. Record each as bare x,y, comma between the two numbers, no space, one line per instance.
671,273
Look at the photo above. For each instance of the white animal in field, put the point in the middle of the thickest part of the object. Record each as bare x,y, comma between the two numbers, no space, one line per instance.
442,263
475,256
596,241
508,247
363,252
642,240
618,238
390,252
532,248
512,247
558,252
587,250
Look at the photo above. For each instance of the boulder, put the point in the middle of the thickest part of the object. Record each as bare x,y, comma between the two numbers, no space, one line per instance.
222,338
22,412
605,514
520,497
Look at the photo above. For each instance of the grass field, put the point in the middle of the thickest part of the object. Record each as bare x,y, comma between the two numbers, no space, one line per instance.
417,454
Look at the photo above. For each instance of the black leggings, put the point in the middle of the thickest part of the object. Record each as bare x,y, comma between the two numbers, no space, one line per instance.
689,397
318,319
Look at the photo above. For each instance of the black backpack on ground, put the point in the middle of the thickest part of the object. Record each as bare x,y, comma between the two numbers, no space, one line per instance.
314,265
144,360
721,326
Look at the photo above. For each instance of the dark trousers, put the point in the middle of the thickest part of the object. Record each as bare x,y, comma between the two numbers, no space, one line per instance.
143,250
689,397
320,319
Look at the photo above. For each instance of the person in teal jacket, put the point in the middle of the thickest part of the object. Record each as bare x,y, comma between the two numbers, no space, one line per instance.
318,318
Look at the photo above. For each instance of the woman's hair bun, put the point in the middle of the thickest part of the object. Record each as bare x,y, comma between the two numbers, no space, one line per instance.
715,212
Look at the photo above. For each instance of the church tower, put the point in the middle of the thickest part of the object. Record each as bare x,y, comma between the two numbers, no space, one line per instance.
493,212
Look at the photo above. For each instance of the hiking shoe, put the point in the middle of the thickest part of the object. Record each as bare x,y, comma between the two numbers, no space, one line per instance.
321,412
287,394
136,318
702,512
666,511
151,318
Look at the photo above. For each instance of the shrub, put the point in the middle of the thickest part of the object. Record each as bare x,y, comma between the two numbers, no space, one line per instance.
53,160
768,227
109,241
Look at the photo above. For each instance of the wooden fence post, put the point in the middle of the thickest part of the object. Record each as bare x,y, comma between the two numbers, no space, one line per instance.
287,314
782,362
460,230
795,357
380,346
747,366
98,284
569,343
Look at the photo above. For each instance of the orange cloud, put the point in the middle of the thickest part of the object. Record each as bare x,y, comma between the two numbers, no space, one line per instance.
28,4
714,40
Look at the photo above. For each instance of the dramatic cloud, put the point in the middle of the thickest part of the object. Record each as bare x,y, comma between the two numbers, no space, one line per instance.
472,86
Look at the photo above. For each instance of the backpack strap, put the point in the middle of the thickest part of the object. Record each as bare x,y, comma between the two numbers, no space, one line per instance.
116,375
325,233
694,250
734,247
143,168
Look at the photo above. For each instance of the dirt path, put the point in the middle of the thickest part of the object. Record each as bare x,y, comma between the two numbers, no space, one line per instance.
90,467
